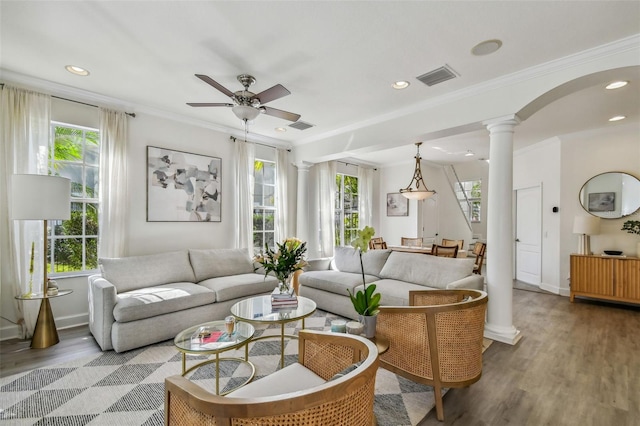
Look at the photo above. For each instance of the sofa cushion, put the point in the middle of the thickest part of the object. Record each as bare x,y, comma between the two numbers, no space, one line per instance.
214,263
427,270
162,299
134,272
242,285
293,378
334,281
394,292
347,259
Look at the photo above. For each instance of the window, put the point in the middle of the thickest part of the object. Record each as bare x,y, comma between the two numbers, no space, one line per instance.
75,154
469,194
346,209
264,204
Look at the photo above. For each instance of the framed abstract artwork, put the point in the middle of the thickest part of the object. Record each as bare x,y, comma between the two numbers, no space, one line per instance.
397,204
183,187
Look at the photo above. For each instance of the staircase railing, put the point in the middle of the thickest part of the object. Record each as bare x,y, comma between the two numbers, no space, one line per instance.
452,178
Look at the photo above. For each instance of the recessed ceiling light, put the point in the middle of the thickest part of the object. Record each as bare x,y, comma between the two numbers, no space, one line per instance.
77,70
280,129
617,118
616,85
486,47
400,84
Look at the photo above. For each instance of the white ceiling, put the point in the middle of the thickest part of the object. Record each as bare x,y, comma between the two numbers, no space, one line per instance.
338,59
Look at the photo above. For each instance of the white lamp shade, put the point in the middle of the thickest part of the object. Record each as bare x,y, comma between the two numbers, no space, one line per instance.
418,195
587,225
40,197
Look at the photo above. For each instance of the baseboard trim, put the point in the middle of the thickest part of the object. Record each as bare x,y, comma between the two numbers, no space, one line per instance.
13,331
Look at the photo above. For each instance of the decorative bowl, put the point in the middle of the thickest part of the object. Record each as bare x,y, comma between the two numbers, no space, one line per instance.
613,252
354,327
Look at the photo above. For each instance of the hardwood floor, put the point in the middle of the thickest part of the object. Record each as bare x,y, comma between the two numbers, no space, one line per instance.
576,364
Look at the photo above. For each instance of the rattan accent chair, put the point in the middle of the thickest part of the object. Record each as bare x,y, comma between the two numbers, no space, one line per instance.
347,400
437,340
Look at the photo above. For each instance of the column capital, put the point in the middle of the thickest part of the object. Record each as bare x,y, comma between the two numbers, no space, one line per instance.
303,166
506,120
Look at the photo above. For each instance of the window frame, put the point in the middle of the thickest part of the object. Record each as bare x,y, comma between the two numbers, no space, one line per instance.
341,231
53,237
265,208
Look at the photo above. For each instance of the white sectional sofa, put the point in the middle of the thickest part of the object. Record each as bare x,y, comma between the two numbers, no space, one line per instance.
326,281
140,300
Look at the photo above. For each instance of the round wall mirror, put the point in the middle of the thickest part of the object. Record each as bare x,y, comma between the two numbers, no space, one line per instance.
611,195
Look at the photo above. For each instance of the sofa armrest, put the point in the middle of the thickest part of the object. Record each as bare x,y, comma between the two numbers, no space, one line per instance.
102,300
475,282
321,264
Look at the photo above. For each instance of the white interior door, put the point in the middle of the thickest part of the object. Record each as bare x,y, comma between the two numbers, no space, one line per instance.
529,234
429,219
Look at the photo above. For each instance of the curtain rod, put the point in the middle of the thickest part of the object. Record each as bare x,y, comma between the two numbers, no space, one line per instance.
233,139
130,114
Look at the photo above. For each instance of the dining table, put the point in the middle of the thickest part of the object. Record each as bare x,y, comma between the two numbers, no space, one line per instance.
422,250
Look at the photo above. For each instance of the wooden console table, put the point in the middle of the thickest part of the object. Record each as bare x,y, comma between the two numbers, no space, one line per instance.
614,278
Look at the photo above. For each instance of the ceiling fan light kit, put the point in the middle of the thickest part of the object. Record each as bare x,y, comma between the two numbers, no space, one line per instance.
417,189
248,105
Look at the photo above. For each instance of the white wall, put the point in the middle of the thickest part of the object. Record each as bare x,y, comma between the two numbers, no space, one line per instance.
539,165
584,155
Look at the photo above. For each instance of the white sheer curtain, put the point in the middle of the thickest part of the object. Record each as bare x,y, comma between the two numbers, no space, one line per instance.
245,157
282,169
365,196
113,194
327,200
25,120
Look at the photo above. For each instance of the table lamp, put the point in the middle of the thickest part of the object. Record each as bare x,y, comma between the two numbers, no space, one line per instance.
585,226
41,197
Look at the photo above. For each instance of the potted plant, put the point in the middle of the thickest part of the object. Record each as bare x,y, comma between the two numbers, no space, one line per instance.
633,227
367,302
283,262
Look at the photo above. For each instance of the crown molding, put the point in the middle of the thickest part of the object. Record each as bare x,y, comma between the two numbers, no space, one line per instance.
95,99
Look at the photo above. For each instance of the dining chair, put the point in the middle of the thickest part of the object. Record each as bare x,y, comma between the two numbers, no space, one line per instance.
459,243
479,250
444,251
411,242
377,243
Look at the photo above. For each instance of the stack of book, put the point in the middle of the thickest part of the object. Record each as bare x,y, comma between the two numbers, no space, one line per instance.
283,300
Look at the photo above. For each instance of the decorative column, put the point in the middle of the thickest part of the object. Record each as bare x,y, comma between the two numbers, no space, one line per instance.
500,236
302,202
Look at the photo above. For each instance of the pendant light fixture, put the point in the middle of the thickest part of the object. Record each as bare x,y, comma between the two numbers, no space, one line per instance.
417,190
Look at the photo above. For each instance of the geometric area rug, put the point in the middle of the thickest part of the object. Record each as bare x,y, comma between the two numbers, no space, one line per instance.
127,389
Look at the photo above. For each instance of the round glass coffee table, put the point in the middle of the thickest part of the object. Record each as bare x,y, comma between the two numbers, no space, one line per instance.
211,338
258,310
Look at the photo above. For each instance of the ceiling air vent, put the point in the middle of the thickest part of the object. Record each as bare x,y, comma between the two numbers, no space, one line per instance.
301,125
437,76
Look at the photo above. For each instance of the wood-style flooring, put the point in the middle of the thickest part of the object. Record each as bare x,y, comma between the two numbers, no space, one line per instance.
576,364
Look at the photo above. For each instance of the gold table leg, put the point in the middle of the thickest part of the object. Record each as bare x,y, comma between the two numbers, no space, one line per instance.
45,334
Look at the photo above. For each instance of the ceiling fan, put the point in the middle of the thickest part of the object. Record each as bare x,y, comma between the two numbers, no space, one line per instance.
248,105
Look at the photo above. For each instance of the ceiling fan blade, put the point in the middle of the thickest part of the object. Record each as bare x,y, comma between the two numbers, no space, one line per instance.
271,94
193,104
280,114
215,84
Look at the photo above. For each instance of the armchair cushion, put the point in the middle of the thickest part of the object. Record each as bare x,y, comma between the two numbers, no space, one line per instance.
293,378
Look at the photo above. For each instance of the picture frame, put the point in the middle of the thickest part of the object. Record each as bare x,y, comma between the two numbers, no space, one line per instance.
397,204
182,186
602,201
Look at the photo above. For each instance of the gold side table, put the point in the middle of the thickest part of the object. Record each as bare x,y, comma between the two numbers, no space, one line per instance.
45,334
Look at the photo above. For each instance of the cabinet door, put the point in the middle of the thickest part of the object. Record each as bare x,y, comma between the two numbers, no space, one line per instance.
628,279
593,275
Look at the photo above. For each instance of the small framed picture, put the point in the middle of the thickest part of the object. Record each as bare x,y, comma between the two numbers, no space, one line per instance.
397,204
602,201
